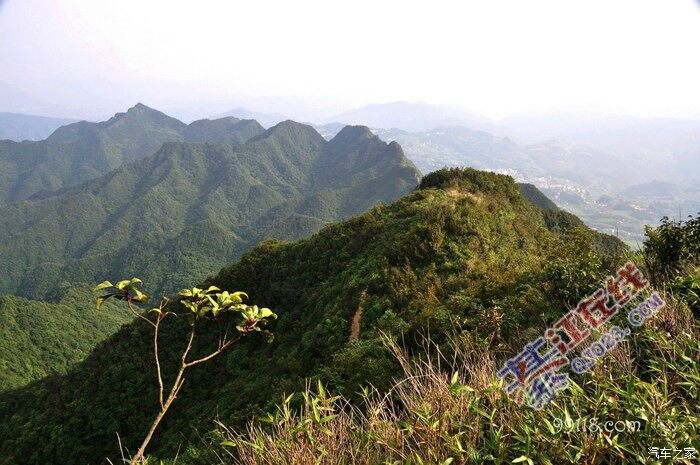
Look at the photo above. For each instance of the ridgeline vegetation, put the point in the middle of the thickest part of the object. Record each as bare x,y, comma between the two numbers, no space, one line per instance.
462,248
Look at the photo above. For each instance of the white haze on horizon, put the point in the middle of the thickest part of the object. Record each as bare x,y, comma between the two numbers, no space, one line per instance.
495,58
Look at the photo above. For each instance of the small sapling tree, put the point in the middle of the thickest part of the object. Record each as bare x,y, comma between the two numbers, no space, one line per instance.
198,305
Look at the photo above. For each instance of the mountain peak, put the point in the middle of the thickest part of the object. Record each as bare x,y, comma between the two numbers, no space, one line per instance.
470,180
354,138
290,129
222,130
353,133
289,124
141,109
141,114
265,119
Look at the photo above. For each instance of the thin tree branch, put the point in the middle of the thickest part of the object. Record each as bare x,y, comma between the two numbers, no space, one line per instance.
159,317
121,449
139,315
187,349
155,350
222,347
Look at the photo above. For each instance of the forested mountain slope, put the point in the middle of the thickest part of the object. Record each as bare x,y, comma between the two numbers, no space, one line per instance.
40,338
81,151
461,246
180,214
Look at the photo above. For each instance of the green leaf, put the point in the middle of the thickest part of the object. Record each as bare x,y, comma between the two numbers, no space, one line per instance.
101,300
185,293
103,285
138,296
265,313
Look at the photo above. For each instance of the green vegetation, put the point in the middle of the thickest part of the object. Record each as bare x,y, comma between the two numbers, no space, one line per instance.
672,256
176,216
673,248
462,249
400,316
447,408
82,151
41,339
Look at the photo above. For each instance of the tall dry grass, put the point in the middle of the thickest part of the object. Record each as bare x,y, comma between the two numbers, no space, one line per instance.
451,409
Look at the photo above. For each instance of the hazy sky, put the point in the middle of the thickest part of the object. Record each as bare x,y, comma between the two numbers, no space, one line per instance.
493,57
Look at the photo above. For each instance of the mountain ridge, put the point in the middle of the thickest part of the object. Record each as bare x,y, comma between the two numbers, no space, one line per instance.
130,219
81,151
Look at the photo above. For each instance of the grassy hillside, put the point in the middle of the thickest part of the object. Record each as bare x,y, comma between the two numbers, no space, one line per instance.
81,151
40,339
463,244
176,216
447,407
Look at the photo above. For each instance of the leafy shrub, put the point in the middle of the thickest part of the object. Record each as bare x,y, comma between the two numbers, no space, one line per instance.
672,247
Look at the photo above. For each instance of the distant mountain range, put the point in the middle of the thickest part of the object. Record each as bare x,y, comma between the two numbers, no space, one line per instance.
194,205
572,174
82,151
623,135
19,127
667,148
574,157
265,119
412,117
